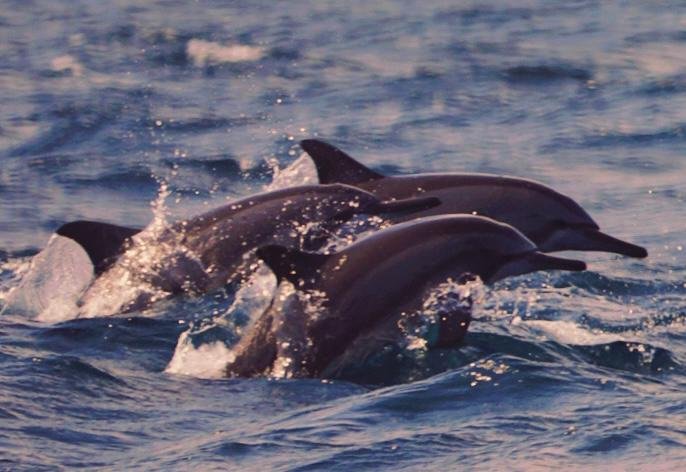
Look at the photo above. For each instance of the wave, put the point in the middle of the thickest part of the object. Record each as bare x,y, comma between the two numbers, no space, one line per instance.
67,123
613,139
537,74
204,123
665,86
139,179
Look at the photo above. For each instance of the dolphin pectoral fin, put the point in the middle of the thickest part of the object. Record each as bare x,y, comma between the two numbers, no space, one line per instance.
256,351
407,205
101,241
591,239
452,326
297,267
334,165
290,331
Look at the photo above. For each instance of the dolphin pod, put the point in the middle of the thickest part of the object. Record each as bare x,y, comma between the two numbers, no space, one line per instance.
342,307
554,222
208,251
371,285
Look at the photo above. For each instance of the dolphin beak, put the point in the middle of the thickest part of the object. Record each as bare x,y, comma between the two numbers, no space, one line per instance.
591,239
540,261
535,261
408,205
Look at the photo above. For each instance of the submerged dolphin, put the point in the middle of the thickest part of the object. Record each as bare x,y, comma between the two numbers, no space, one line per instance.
366,290
208,251
553,221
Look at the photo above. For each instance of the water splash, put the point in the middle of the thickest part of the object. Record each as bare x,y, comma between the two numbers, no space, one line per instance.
300,172
448,303
50,285
128,284
192,357
206,361
195,356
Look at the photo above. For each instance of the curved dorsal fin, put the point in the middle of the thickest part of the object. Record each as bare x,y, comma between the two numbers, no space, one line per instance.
335,166
298,267
102,241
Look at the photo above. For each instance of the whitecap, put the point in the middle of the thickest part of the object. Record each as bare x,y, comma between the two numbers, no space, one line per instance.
204,53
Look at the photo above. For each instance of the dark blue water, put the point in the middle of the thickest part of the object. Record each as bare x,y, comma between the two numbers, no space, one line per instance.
103,101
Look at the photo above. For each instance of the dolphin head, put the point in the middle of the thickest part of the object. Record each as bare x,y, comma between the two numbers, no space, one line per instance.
586,237
555,222
490,249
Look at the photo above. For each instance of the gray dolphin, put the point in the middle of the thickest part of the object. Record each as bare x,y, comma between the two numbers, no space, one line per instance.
553,221
367,287
208,251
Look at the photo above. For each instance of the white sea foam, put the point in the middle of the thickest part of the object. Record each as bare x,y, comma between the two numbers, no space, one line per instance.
207,361
204,53
55,280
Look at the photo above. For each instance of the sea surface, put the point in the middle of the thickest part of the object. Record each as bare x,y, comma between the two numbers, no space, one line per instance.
129,111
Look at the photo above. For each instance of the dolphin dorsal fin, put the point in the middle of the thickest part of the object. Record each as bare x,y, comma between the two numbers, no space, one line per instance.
335,166
101,241
296,266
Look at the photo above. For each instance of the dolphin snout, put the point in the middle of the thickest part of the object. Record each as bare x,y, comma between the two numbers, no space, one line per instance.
533,262
591,239
600,241
540,261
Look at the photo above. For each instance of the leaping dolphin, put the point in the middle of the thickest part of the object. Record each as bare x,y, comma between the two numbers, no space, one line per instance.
366,289
553,221
208,251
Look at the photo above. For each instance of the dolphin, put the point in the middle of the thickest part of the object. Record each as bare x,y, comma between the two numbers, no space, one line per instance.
369,288
206,252
554,222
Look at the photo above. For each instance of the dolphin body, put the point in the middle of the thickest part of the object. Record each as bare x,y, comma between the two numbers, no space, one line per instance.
554,222
208,251
370,288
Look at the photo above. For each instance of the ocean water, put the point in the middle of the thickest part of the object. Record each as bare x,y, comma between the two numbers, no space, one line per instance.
129,111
